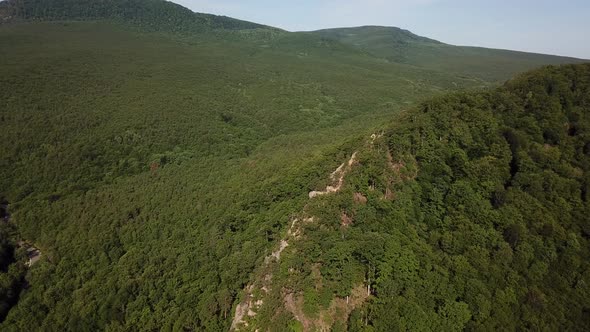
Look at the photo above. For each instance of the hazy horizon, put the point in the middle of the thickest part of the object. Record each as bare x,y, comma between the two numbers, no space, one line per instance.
544,26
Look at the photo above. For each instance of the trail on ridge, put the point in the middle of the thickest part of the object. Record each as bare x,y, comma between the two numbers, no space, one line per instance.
250,303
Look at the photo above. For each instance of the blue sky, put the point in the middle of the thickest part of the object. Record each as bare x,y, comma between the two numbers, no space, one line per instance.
543,26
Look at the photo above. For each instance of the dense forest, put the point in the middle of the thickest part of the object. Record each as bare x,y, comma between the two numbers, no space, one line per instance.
470,212
162,162
151,14
402,46
12,268
153,187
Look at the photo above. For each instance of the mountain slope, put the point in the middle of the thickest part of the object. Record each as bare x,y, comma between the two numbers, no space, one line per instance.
156,162
402,46
155,14
467,212
154,172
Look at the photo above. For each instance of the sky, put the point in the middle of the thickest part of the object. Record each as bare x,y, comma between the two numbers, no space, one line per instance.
560,27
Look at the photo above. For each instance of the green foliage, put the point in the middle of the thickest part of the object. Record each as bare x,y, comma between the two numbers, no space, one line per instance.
401,46
310,302
12,269
491,233
159,15
157,155
296,326
162,183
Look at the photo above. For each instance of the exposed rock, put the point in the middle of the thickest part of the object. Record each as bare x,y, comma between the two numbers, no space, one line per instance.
277,254
262,286
345,220
339,309
338,177
360,198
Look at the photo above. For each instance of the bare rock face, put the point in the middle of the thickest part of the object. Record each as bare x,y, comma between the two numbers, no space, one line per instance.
337,178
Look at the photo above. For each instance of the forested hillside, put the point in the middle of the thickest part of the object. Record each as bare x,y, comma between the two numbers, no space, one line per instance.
153,14
469,212
402,46
154,172
157,158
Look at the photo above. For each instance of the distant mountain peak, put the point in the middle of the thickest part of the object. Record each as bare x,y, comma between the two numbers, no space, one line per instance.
370,32
402,46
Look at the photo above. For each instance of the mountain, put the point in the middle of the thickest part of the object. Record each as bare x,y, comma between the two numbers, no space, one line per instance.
154,171
388,43
161,163
467,212
372,37
155,14
402,46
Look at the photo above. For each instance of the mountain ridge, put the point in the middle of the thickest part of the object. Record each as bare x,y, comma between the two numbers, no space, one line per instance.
373,28
162,14
403,46
447,203
392,44
413,35
91,9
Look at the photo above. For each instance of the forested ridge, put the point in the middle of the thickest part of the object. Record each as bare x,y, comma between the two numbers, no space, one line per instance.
402,46
469,212
155,173
153,14
158,158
